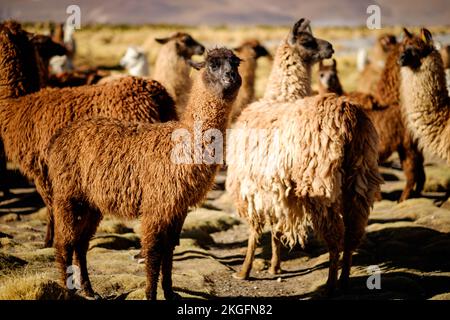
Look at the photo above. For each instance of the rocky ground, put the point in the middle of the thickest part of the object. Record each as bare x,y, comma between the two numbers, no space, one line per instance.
409,242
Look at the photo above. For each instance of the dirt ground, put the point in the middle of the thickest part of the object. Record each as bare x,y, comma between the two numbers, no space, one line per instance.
409,243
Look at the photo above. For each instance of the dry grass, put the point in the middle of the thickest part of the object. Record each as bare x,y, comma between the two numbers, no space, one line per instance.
31,287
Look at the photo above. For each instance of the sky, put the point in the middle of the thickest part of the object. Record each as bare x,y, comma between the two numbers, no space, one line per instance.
231,12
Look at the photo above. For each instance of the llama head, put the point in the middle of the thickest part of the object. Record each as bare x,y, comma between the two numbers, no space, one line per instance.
135,61
328,75
46,47
185,45
386,42
19,65
311,49
220,72
415,48
254,47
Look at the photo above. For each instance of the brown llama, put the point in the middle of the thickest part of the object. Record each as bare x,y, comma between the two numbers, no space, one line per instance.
172,69
388,119
371,72
249,51
43,48
29,118
90,163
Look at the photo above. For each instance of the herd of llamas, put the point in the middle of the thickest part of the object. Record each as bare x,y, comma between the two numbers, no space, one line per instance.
97,144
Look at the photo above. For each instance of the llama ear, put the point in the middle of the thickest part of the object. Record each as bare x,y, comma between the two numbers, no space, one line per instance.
162,40
407,33
426,36
196,65
299,26
320,64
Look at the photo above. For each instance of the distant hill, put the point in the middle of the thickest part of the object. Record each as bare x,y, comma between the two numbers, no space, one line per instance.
241,12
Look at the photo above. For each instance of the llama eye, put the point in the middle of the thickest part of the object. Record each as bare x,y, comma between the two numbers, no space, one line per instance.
309,44
214,65
321,75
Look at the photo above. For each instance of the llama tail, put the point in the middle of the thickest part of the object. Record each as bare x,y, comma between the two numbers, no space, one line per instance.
362,179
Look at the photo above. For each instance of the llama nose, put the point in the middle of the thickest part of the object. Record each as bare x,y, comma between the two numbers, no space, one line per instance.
330,47
200,49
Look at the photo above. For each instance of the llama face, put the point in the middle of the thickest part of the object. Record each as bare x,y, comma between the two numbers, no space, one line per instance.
185,45
328,76
255,47
414,49
221,72
311,49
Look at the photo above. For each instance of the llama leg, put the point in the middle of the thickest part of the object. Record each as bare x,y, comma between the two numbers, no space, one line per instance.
3,172
346,266
81,247
275,264
64,241
419,172
49,236
407,162
355,221
167,261
248,262
332,231
152,250
64,252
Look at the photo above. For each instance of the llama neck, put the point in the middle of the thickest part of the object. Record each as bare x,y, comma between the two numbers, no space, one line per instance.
290,78
247,70
424,96
335,88
173,72
206,108
388,86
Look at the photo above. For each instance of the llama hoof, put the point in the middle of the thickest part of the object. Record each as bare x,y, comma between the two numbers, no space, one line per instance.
48,244
172,296
240,276
89,294
275,271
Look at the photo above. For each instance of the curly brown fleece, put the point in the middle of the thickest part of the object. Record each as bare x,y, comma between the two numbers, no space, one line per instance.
105,166
44,48
19,75
27,123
